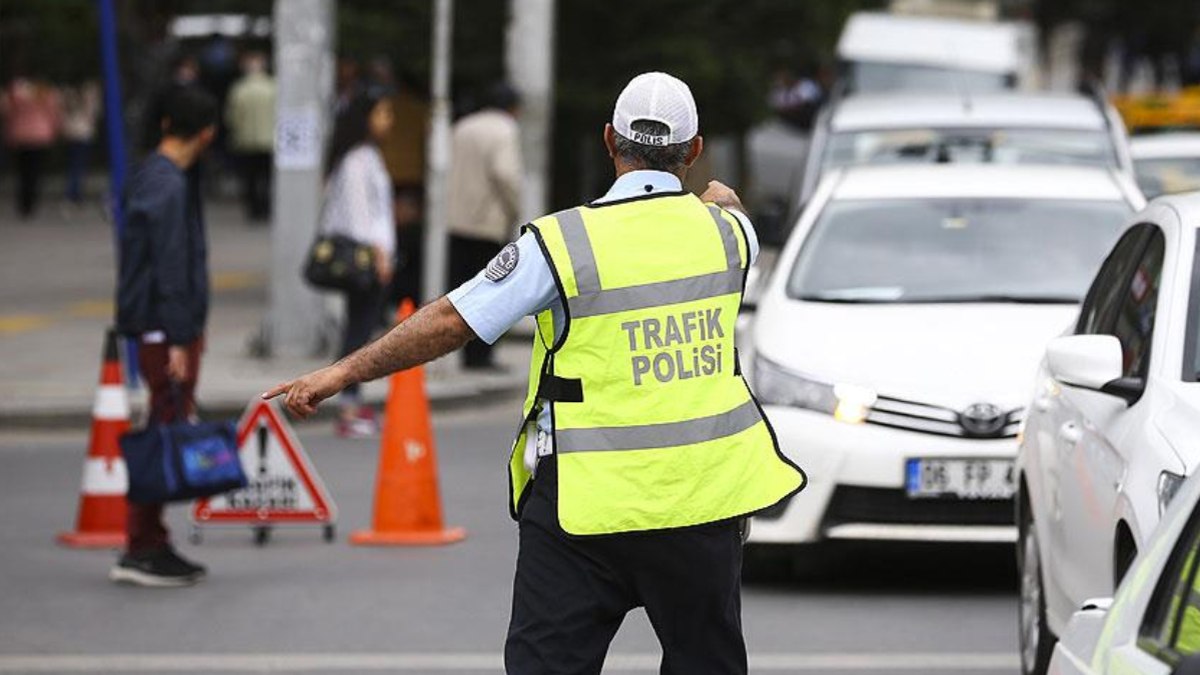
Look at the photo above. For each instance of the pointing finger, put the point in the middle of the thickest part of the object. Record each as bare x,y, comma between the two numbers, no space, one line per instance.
276,390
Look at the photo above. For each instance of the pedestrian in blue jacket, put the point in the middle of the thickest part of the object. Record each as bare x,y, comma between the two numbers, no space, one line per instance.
162,302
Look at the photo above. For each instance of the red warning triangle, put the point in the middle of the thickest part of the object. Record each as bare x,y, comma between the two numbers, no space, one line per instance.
283,485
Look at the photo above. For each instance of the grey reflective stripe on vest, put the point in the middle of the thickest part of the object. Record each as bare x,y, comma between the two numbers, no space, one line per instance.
656,294
728,238
579,247
665,435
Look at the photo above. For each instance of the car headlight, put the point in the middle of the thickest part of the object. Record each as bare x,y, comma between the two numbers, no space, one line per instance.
846,402
1168,485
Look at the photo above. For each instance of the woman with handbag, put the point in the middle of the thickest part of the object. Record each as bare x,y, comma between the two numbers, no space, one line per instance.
358,207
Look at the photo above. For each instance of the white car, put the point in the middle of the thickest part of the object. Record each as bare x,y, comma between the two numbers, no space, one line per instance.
1113,425
1166,163
993,128
880,51
1152,627
894,342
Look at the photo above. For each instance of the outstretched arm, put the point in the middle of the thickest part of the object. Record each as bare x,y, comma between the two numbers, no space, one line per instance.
435,330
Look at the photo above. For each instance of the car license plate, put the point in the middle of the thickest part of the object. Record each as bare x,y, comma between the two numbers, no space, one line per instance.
961,478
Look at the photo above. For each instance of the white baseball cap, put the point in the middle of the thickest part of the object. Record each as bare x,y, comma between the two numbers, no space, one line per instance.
661,98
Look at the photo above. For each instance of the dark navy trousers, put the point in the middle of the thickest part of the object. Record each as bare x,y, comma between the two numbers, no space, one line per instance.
571,593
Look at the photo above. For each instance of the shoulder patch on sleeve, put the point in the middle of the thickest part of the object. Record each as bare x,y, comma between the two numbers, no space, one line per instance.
503,264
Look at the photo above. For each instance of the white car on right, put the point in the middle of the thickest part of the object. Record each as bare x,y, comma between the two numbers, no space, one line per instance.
1114,424
1152,626
1166,163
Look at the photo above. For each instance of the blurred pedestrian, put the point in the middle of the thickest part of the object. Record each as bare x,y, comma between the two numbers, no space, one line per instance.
32,115
642,450
403,150
795,96
346,84
162,302
358,204
408,210
250,116
81,111
484,195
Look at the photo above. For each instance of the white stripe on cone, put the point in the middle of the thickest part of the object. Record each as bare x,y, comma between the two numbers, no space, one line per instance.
105,477
112,403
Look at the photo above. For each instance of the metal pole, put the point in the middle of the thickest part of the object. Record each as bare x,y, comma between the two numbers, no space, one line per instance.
304,33
438,165
114,119
529,58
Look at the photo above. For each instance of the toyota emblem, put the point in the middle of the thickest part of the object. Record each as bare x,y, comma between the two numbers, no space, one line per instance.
982,419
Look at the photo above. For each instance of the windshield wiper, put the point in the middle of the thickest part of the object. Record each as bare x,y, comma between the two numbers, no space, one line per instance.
845,299
995,298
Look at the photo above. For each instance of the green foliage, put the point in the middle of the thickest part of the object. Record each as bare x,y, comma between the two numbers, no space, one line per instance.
54,40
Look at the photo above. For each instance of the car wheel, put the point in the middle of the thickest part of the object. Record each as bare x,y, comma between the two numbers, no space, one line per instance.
1036,640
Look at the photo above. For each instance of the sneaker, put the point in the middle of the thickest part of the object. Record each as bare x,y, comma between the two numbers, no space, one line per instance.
156,569
355,428
198,571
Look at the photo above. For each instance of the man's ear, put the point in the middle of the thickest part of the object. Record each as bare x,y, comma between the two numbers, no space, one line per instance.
610,140
694,151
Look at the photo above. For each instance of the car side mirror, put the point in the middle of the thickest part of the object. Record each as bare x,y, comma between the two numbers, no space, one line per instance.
1093,362
1128,388
1190,665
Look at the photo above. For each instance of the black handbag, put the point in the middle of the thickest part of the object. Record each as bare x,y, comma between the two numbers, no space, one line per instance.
339,263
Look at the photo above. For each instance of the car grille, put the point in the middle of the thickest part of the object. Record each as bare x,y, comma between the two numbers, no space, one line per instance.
931,419
851,504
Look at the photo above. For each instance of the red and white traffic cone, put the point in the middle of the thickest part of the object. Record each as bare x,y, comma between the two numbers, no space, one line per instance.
101,520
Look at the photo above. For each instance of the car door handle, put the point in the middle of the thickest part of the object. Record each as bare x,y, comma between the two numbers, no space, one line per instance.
1069,432
1042,403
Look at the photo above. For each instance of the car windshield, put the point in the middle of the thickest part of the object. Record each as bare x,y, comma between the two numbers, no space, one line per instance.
979,146
955,250
1167,175
873,76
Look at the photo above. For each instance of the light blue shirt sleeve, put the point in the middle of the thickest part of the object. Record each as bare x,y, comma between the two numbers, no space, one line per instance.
490,308
751,234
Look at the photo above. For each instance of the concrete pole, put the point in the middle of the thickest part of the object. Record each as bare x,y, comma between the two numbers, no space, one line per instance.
438,155
529,59
304,35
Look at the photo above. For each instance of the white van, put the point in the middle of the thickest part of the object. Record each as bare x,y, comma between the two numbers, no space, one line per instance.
880,52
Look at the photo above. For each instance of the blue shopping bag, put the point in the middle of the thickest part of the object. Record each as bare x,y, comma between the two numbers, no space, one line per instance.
182,461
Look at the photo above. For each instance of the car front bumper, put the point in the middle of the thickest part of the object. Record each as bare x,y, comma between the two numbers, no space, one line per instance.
856,485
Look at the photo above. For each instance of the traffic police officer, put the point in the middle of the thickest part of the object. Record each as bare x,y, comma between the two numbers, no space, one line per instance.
642,450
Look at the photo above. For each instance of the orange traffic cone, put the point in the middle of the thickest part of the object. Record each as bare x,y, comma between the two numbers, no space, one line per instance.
408,508
101,520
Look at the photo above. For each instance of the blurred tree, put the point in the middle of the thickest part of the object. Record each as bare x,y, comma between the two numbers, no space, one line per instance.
724,49
45,39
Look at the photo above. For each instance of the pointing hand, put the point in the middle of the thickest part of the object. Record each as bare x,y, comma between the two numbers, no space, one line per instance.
305,393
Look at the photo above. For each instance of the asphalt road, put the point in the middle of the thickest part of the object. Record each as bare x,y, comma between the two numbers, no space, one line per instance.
301,605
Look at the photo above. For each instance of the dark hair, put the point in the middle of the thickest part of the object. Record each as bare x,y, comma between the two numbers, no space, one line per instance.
502,96
187,111
352,126
669,158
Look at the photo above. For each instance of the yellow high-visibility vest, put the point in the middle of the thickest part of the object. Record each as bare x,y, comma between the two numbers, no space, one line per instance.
654,426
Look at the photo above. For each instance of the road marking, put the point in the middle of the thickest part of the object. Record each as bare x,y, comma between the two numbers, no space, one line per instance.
482,662
236,280
21,323
11,324
91,309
